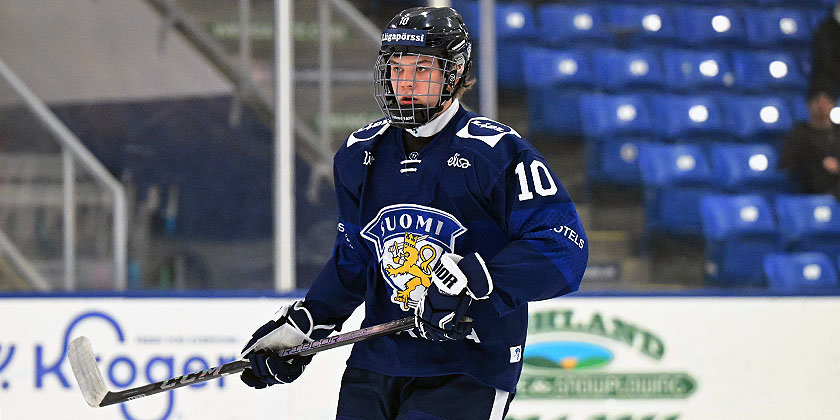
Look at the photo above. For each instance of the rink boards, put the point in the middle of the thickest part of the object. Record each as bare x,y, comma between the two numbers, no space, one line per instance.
587,358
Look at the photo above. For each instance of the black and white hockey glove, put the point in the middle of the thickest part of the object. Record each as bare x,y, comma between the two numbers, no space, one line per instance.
440,313
293,325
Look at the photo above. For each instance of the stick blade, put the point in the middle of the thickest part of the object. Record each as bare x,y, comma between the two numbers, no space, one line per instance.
86,371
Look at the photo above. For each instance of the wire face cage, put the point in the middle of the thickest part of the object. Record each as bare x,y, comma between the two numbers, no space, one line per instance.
411,88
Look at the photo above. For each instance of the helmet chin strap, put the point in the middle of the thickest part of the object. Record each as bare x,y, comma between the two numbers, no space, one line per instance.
436,124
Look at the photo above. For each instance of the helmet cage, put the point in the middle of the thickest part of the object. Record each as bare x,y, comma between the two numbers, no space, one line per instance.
436,93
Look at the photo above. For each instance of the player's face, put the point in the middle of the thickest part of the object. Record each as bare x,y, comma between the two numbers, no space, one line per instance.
416,79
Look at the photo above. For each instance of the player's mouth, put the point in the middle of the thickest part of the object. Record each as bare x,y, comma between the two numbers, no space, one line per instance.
407,100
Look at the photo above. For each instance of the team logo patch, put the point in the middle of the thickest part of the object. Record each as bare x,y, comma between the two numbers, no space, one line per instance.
409,239
486,130
368,132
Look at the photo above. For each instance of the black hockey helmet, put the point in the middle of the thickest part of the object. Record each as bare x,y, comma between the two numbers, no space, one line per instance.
437,32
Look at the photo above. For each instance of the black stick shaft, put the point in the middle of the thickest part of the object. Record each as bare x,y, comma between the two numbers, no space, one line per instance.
240,365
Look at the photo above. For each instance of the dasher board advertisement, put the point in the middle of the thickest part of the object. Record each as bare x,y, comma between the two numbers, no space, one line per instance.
587,358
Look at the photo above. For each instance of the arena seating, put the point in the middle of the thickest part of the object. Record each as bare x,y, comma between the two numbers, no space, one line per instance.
614,161
801,271
643,24
692,70
675,179
812,222
739,231
614,115
774,26
619,70
700,26
760,72
743,168
648,86
684,116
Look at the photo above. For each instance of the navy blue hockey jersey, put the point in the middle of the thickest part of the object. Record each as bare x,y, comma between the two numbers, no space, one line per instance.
477,187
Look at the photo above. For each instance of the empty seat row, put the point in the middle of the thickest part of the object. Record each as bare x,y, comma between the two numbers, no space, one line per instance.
676,177
667,116
740,230
692,25
678,70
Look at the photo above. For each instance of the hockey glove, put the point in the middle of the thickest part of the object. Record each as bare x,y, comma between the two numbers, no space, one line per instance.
293,325
439,314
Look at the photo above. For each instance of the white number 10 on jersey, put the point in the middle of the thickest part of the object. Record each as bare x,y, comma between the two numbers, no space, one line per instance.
536,168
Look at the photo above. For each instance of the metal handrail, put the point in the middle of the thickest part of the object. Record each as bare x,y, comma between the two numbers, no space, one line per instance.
73,146
21,263
354,15
310,149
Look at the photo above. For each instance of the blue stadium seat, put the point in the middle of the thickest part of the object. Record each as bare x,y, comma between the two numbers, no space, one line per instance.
699,26
811,222
565,24
509,63
555,80
613,161
799,272
804,58
681,116
642,23
818,16
799,108
513,21
687,70
546,67
800,3
756,117
766,71
617,70
515,26
674,177
739,230
555,109
614,115
748,168
769,28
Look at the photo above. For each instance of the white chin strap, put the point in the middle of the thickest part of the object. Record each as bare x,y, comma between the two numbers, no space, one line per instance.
437,123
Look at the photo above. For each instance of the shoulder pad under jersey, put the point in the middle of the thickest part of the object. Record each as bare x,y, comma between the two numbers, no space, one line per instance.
368,132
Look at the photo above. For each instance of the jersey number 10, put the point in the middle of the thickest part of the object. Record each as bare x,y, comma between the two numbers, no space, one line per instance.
536,167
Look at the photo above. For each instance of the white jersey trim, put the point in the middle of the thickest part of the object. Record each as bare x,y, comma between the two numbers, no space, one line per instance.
353,139
436,124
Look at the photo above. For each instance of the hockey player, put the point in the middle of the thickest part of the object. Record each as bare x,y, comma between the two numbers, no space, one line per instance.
443,214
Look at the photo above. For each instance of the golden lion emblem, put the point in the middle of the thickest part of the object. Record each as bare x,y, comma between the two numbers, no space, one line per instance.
407,255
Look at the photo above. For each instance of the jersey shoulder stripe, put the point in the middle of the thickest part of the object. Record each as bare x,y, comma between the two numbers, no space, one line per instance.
368,132
485,129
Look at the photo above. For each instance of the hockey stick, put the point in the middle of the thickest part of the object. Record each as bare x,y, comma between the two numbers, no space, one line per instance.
92,384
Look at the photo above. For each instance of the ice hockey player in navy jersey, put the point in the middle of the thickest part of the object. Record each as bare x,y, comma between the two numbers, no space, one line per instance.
444,214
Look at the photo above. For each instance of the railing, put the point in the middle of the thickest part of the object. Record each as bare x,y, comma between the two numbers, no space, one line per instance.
72,151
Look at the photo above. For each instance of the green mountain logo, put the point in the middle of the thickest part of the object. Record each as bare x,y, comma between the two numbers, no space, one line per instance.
566,355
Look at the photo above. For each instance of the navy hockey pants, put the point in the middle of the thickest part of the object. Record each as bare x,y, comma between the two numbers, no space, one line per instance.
367,395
